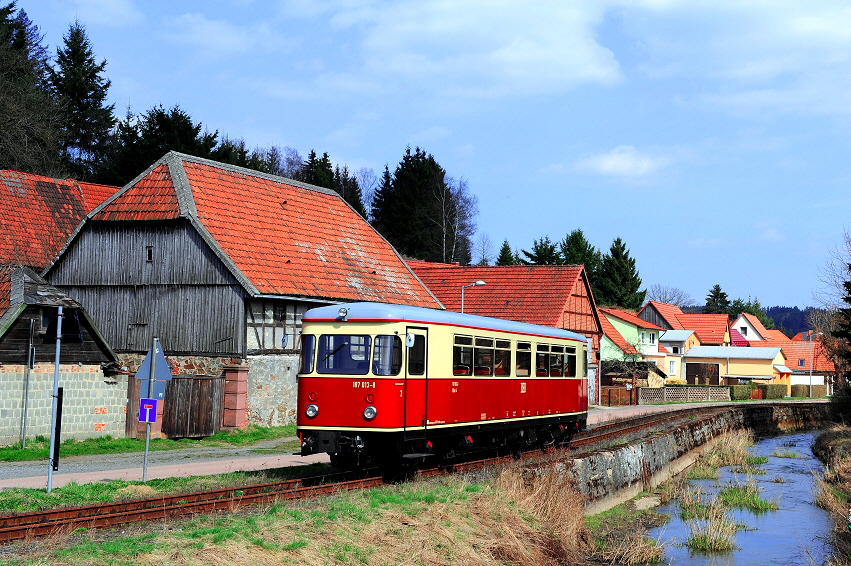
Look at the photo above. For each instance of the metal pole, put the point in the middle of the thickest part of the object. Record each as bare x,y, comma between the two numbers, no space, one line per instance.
59,316
462,297
154,349
30,360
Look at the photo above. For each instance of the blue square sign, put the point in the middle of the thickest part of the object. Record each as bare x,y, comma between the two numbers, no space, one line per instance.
147,410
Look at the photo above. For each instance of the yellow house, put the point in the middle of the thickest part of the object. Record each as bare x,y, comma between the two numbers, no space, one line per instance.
674,344
730,365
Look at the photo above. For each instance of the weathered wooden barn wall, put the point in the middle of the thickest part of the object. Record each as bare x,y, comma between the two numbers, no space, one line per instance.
93,405
15,342
272,389
140,280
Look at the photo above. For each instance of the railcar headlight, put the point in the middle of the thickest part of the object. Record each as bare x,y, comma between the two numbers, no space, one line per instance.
311,411
369,413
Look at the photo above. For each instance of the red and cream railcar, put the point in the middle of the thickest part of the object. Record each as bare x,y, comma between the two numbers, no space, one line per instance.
387,382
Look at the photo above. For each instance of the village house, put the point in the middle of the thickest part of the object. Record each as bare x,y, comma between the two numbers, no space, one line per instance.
558,296
630,349
731,365
220,263
675,344
37,215
711,329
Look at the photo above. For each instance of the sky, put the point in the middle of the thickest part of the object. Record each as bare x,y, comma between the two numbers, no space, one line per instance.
711,137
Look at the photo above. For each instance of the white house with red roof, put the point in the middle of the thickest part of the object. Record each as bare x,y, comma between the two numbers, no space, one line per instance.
220,263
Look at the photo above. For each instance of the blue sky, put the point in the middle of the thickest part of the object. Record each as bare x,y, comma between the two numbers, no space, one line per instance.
712,137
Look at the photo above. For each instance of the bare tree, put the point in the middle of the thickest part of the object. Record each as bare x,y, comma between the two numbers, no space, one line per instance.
833,274
483,249
368,183
669,295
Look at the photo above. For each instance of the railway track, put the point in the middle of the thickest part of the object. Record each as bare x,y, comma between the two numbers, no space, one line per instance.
41,523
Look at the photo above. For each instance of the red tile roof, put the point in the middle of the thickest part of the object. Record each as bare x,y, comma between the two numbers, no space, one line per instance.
6,287
796,351
776,335
276,235
612,334
549,295
737,339
711,329
756,324
38,215
630,318
669,313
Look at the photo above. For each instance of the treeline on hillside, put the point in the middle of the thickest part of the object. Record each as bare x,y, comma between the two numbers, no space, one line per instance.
54,121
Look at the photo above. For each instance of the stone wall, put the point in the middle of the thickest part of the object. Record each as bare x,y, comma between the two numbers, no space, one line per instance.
609,477
93,405
181,365
272,389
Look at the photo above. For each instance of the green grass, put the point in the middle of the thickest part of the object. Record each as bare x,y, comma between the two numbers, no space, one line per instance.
778,454
745,497
38,447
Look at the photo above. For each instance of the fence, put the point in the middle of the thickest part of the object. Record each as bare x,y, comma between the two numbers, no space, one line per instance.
617,396
656,395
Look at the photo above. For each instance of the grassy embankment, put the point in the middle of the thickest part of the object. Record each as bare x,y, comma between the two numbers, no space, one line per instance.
833,447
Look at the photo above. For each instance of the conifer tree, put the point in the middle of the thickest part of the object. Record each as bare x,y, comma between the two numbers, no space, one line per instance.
544,252
618,282
506,256
347,186
716,301
576,250
29,117
80,89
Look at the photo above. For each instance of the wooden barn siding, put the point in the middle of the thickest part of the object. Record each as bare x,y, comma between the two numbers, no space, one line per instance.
14,343
187,319
193,406
114,253
185,296
652,316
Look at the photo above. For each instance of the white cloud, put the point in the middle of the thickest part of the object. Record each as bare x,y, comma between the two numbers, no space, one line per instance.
220,37
622,161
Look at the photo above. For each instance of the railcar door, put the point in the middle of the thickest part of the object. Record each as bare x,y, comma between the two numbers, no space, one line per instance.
416,382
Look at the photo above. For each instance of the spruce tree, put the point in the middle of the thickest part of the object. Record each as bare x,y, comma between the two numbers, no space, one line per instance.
347,186
29,117
716,301
576,250
79,88
544,252
618,282
506,256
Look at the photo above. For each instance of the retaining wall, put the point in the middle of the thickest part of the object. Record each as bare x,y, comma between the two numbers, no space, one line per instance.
609,477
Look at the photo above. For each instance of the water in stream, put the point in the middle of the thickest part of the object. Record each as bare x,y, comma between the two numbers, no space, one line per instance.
797,533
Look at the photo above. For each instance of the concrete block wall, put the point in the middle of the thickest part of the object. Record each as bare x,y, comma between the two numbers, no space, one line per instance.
93,405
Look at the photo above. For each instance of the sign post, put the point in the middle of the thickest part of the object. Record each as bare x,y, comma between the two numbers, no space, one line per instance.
54,449
158,373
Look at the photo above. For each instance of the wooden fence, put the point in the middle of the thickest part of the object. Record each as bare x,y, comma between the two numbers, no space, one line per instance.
611,396
193,406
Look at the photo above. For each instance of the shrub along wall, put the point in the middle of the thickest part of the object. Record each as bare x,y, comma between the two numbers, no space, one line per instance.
739,392
776,391
804,390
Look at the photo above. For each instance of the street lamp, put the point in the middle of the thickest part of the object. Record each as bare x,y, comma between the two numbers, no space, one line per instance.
812,360
478,283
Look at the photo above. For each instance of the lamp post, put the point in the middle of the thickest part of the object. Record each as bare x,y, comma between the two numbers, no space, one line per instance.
478,283
812,360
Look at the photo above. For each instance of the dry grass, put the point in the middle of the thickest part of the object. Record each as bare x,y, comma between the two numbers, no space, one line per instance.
716,532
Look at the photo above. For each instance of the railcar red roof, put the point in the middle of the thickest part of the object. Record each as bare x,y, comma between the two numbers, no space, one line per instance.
276,235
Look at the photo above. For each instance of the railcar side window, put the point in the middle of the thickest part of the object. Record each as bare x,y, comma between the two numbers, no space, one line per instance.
502,358
570,362
524,359
343,353
308,344
462,356
387,355
541,358
416,356
557,361
483,356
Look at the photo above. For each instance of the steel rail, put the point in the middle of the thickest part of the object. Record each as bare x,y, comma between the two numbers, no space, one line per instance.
41,523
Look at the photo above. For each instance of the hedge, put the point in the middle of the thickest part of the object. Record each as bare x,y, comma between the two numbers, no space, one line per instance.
777,391
804,391
739,392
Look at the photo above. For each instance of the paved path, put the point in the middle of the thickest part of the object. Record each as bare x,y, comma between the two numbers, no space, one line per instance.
207,460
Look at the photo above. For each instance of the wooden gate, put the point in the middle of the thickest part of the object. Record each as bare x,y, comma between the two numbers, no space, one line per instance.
193,406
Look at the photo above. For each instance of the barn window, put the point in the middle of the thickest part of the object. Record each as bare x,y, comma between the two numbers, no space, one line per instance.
149,254
273,326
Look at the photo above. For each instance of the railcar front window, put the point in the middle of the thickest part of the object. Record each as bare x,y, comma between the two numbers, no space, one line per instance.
462,356
308,345
524,359
387,355
343,353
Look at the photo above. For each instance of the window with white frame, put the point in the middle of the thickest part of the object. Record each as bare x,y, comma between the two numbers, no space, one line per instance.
652,338
675,349
643,338
743,330
273,326
672,368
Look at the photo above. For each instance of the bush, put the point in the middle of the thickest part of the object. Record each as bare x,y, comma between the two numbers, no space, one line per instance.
777,391
804,391
675,381
739,392
840,406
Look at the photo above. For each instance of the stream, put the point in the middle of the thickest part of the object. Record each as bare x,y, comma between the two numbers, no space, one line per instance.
796,533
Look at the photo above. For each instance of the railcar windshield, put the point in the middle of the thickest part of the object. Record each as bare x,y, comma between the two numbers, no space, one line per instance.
387,357
308,343
343,353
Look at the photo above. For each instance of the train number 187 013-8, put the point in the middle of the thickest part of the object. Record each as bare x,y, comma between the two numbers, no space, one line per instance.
363,384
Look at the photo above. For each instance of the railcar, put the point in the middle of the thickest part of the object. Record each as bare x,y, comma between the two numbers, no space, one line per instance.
391,383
